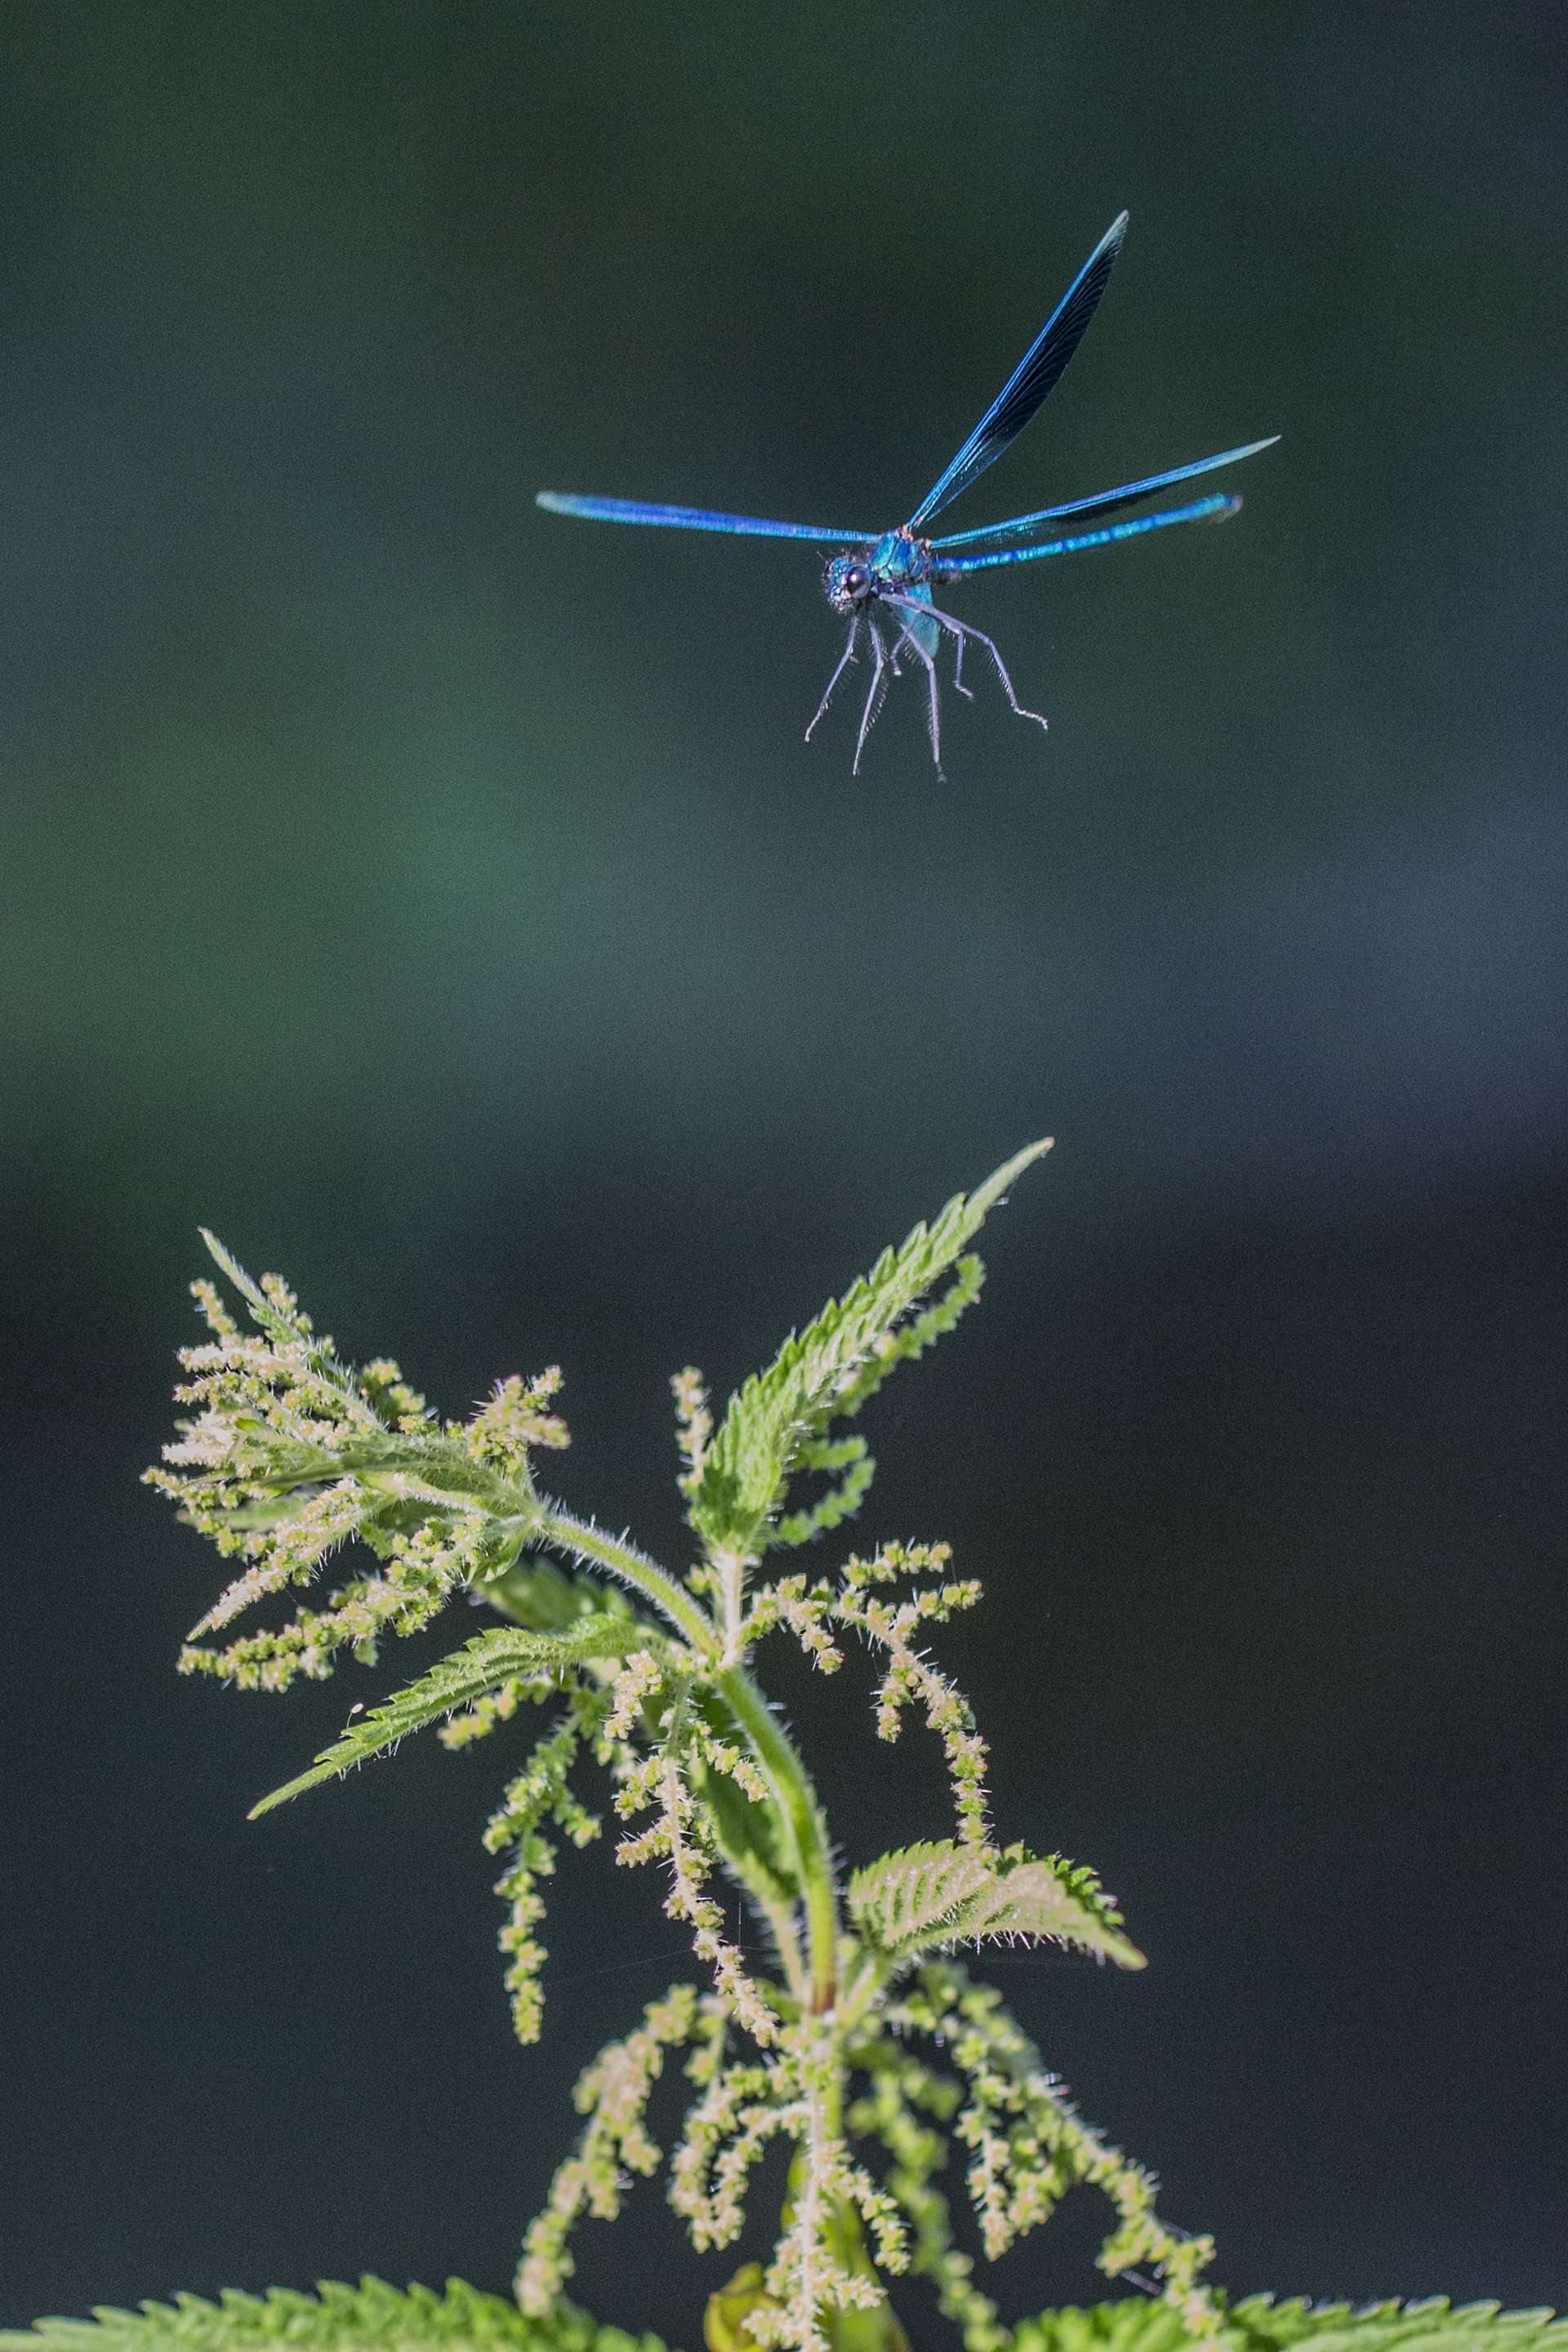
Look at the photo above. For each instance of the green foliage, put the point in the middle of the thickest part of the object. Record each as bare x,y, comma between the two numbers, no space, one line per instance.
875,2061
1261,2325
831,1368
944,1894
751,1837
853,1457
370,2318
291,1455
1271,2327
481,1666
375,2318
912,1898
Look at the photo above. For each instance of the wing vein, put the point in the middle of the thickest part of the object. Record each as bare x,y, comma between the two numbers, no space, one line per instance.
577,502
1102,502
957,567
1034,375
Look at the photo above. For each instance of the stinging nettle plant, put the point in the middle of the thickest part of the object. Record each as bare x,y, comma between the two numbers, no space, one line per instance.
865,2044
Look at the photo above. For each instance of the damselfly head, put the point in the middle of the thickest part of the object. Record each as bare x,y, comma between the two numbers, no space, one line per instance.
849,581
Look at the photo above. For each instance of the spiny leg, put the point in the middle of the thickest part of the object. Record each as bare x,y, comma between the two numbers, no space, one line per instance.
916,606
874,695
908,637
961,629
844,659
920,610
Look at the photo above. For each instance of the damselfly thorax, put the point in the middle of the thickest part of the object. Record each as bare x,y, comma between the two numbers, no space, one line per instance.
891,565
888,583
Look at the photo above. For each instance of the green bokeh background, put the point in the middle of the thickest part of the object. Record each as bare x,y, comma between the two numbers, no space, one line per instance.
435,897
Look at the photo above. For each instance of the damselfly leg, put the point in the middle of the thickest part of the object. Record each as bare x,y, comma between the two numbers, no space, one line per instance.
933,723
878,687
844,659
959,631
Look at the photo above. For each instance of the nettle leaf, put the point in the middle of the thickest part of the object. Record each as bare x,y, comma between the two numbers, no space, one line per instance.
534,1592
943,1893
830,1368
1134,2323
1045,1898
370,2318
1127,2324
1261,2325
910,1899
481,1665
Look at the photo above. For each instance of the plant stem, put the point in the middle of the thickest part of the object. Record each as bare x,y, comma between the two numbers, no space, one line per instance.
586,1542
781,1762
796,1799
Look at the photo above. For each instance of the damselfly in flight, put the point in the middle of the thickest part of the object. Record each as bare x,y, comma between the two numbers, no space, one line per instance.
893,573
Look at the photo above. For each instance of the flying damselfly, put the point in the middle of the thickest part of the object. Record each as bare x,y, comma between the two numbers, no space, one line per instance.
890,574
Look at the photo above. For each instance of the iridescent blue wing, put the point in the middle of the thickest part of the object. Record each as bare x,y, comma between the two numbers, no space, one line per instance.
956,567
572,502
1104,502
1033,377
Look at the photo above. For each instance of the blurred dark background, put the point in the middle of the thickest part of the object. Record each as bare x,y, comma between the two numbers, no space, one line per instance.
436,897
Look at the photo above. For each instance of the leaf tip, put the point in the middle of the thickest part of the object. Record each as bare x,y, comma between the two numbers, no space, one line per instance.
275,1797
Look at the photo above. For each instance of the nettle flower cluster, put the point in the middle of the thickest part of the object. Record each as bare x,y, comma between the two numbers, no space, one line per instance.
863,2044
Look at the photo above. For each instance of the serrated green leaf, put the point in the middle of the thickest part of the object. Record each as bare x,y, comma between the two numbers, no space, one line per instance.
943,1893
1433,2326
748,1464
534,1592
370,2318
1135,2323
481,1665
1036,1899
909,1900
249,1290
1125,2324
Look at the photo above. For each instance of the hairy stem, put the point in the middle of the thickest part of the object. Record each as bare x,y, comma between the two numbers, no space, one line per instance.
586,1542
776,1752
791,1784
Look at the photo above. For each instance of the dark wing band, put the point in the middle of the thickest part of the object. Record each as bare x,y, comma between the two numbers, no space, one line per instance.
1033,377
